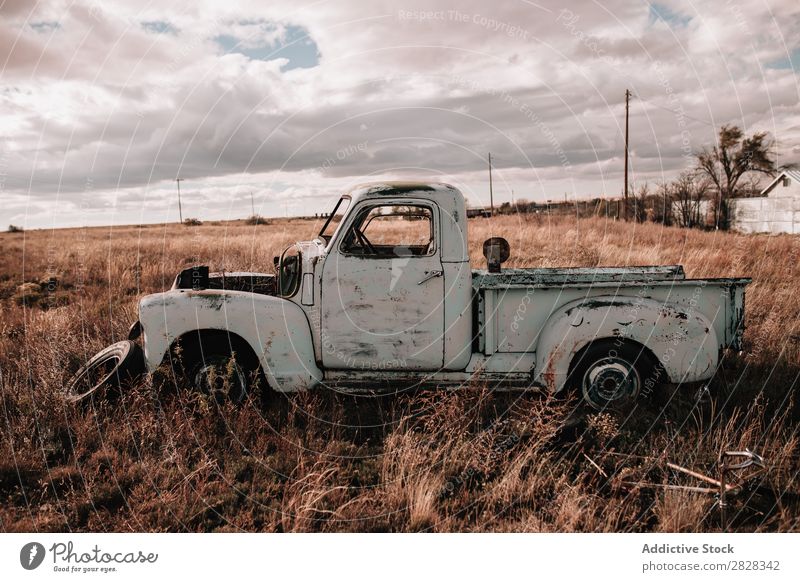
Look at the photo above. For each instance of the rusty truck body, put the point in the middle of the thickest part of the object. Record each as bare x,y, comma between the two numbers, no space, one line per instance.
385,296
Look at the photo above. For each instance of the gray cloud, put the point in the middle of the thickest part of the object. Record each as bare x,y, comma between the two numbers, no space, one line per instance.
102,104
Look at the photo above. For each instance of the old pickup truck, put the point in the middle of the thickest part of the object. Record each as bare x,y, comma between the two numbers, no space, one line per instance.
385,296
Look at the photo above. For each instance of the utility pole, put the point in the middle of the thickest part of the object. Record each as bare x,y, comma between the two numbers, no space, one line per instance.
252,204
180,210
627,107
491,193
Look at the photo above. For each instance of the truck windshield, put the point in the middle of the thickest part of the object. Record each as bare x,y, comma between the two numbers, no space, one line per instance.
334,218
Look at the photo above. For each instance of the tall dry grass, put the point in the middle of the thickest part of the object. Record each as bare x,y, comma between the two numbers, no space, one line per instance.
160,459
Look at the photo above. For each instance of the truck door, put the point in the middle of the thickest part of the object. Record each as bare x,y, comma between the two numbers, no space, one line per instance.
383,290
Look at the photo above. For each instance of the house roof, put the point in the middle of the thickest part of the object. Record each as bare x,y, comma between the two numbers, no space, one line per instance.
793,174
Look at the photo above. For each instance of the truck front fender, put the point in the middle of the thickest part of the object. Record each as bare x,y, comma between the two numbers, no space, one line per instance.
277,330
683,341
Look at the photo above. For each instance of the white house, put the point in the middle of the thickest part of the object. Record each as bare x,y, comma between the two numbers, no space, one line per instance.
776,211
786,185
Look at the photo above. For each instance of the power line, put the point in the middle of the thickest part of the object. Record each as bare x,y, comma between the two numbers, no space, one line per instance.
673,111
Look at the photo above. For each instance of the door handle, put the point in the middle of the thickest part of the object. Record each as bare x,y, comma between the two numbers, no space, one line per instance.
430,276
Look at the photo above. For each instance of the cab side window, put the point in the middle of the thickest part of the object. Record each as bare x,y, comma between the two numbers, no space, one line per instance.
390,231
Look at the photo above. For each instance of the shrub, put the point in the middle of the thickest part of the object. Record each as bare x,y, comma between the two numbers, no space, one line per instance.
28,294
256,220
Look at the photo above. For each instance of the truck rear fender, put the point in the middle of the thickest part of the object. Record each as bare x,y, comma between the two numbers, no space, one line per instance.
683,342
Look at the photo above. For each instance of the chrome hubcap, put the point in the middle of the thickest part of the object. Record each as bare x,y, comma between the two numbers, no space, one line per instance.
609,382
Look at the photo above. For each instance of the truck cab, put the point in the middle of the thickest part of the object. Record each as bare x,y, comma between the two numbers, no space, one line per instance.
388,287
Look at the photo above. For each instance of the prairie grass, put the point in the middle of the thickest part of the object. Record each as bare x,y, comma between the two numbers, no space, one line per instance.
157,459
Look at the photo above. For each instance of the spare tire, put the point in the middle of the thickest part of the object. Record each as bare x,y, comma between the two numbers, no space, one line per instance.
106,369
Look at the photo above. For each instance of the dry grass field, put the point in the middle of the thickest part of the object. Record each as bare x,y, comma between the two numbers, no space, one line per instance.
165,459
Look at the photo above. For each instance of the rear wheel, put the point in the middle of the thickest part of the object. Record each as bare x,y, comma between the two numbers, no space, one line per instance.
612,376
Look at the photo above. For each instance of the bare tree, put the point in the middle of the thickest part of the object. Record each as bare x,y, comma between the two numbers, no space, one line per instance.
751,186
640,199
688,192
733,157
662,204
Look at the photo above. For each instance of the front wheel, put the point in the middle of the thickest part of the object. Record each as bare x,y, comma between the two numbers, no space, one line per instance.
611,376
222,377
221,368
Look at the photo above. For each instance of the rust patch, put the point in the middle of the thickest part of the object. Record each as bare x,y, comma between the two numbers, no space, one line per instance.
549,372
214,300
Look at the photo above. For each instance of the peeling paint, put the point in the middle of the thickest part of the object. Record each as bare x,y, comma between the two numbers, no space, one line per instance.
214,299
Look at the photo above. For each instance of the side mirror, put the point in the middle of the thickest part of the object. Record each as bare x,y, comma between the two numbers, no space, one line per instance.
496,250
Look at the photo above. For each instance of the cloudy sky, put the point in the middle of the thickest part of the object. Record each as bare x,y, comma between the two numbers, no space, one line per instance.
104,104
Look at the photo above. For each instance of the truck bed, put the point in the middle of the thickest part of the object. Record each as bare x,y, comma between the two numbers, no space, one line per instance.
512,307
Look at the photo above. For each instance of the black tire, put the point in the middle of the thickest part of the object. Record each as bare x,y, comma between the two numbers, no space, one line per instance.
222,367
612,375
109,368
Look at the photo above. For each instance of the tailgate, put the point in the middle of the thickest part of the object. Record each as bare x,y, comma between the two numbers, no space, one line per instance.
735,328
